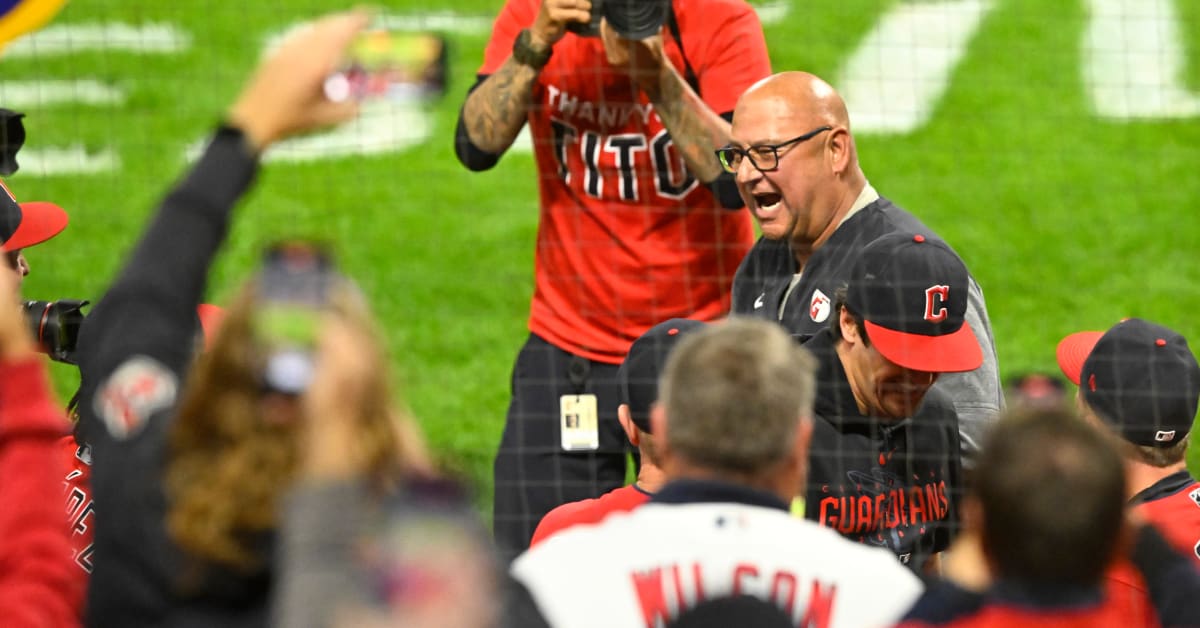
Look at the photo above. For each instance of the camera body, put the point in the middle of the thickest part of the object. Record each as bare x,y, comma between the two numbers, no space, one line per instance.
55,326
631,19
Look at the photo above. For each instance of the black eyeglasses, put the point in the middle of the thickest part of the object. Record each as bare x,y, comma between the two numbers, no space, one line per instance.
764,157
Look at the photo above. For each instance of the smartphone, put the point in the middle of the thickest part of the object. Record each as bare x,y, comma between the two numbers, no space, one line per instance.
397,66
294,284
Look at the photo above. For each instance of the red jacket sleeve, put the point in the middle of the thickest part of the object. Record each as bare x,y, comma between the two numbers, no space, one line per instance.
38,586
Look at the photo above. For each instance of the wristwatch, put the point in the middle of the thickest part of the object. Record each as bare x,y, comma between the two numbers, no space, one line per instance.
524,53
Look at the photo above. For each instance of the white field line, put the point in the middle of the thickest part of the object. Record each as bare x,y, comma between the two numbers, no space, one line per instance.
894,79
1133,60
61,160
34,94
67,39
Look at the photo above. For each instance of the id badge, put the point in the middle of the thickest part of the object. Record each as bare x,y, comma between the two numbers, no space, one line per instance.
579,423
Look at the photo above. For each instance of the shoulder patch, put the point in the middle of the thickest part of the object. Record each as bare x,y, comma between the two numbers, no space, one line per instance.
135,391
818,308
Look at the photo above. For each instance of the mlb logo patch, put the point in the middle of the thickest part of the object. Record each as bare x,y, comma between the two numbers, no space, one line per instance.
818,309
1195,495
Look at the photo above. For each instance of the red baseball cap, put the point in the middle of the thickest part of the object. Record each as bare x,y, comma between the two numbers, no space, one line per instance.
26,224
1074,350
911,292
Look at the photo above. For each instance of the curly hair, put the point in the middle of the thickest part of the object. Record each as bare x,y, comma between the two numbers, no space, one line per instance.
227,467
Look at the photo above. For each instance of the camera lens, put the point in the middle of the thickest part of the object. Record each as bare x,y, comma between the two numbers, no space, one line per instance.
636,19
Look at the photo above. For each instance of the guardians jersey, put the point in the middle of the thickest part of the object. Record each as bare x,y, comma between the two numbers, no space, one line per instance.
893,484
628,236
77,459
1173,505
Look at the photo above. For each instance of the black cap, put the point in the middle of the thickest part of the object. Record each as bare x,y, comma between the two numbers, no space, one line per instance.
1140,377
638,375
636,19
911,292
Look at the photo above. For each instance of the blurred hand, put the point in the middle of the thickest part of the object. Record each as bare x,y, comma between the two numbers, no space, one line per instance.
15,341
334,402
551,22
641,59
285,96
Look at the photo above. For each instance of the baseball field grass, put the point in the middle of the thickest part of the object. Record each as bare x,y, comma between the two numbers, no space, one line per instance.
1070,220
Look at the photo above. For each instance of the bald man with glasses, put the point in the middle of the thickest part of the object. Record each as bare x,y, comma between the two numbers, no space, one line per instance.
796,167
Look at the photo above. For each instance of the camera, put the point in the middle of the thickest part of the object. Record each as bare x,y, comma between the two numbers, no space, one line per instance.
631,19
55,326
293,286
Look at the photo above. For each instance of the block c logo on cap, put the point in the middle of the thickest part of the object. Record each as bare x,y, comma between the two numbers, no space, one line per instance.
935,299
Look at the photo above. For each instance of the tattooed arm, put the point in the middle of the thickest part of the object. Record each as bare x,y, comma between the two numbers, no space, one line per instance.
696,130
495,111
497,107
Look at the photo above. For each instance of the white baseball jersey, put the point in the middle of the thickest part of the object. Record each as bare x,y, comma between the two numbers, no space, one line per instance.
644,567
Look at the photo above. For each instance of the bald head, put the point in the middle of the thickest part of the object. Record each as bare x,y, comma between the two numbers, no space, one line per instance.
802,175
799,95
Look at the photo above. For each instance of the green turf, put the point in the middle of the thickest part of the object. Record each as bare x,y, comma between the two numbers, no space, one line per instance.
1068,221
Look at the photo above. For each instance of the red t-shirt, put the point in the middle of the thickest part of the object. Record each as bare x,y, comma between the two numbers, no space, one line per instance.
628,237
1173,506
76,485
584,511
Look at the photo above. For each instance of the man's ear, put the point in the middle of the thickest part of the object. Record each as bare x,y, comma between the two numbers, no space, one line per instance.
849,329
627,424
840,148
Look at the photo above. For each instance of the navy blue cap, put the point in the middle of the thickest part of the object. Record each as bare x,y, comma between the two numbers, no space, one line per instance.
638,375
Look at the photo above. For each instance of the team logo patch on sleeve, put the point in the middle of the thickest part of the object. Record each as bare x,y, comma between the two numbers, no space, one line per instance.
818,309
134,392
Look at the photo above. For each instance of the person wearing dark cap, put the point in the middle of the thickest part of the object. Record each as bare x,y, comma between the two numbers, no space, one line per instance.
733,427
638,379
886,467
23,225
1047,520
1141,382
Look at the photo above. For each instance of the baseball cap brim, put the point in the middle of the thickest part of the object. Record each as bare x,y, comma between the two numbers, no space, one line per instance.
1074,350
40,221
210,320
949,353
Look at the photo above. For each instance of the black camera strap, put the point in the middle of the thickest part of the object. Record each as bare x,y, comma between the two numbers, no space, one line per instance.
689,74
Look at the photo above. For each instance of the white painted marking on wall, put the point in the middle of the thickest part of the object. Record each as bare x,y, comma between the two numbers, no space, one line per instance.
1134,60
900,71
33,94
60,160
65,39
